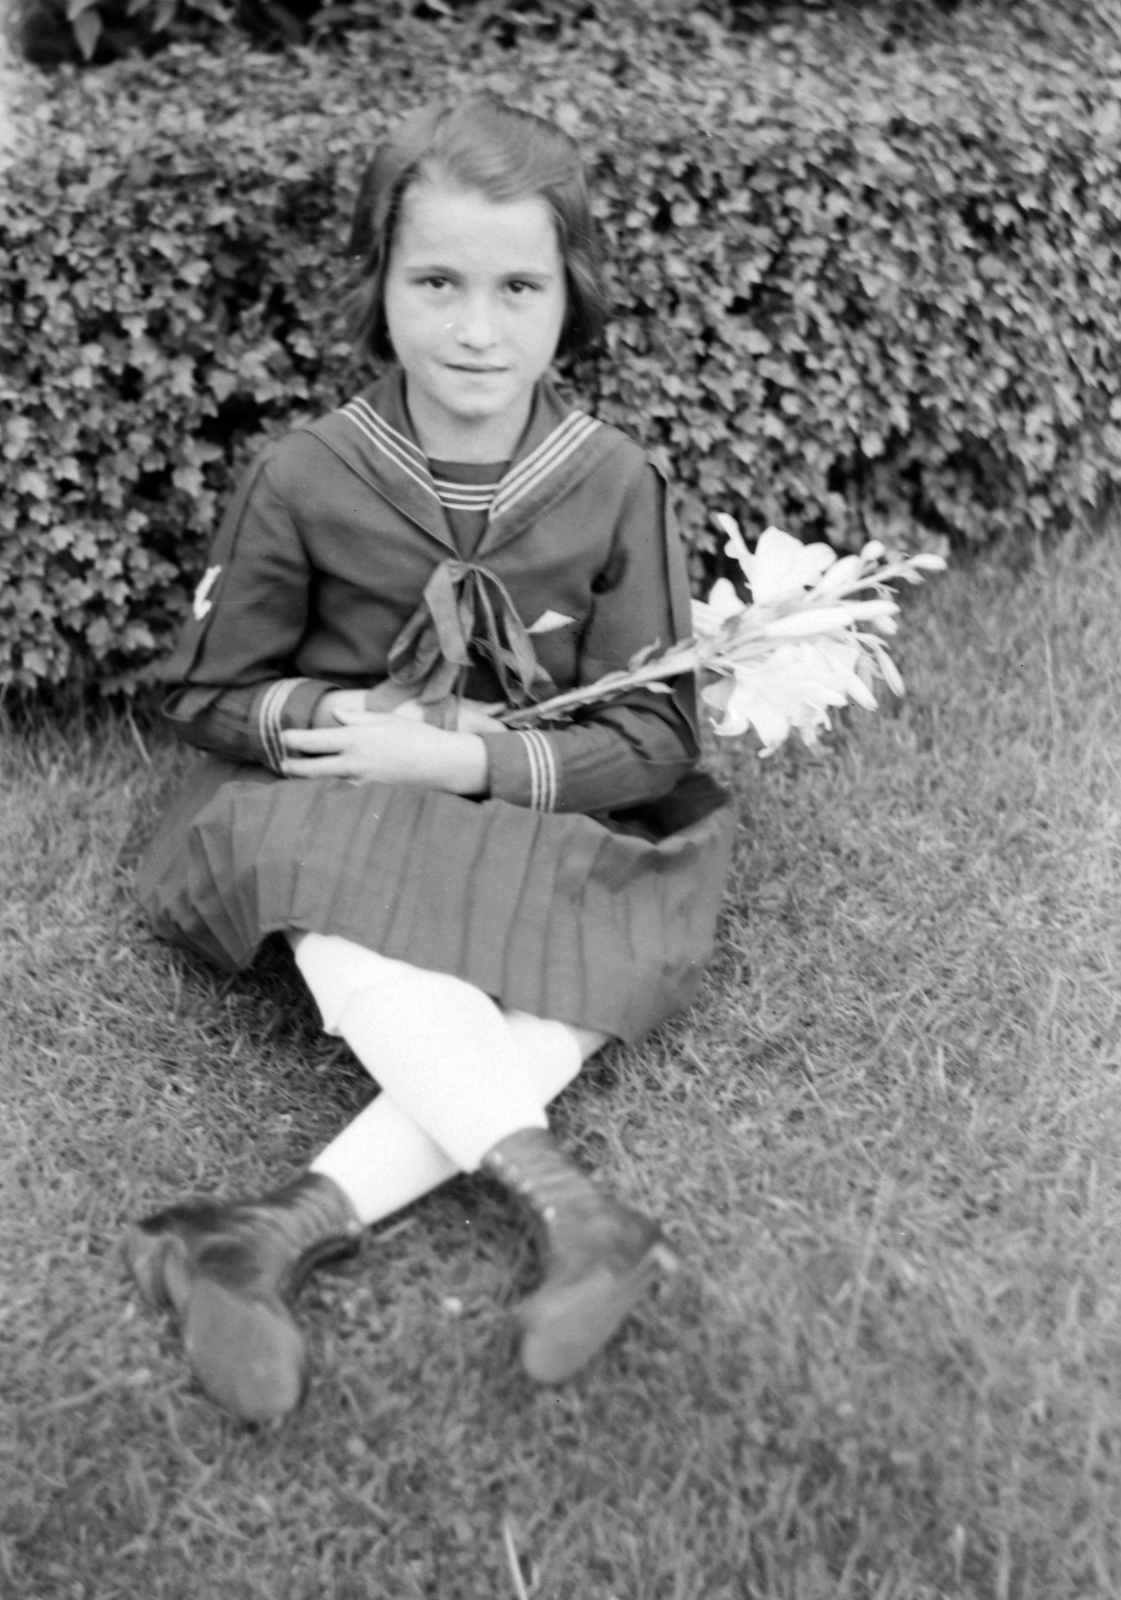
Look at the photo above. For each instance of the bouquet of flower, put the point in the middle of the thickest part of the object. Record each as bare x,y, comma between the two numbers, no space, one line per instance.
811,639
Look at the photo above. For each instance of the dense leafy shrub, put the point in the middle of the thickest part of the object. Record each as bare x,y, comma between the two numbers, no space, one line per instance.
856,291
53,31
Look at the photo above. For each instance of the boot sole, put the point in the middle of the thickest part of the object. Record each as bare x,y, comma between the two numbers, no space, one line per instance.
141,1252
564,1327
247,1353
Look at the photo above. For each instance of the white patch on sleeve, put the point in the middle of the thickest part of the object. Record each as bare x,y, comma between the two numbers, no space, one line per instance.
550,621
202,603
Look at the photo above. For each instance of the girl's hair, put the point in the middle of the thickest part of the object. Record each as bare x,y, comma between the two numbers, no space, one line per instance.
488,147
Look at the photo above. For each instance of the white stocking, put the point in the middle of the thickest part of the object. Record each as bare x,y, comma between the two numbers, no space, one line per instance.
457,1073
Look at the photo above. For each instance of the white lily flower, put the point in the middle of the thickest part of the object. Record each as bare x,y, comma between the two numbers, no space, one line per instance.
709,616
887,625
782,566
877,661
797,624
809,642
735,545
791,690
745,706
845,572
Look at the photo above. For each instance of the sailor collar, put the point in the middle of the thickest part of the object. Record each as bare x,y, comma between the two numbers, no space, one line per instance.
372,435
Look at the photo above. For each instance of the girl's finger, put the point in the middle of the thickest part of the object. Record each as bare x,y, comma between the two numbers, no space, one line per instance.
317,767
488,708
479,722
313,741
355,718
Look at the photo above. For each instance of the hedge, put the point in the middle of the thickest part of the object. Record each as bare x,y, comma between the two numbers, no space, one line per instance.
859,291
97,31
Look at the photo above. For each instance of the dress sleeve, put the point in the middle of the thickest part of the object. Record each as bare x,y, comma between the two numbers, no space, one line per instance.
641,745
233,689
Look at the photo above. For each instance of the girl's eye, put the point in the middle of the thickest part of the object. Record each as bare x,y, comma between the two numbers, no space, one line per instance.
519,287
435,280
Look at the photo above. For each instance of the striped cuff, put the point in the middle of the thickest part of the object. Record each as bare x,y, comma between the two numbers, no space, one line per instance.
270,710
523,768
542,770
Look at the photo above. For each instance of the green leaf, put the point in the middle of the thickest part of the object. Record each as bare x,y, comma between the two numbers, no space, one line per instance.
87,30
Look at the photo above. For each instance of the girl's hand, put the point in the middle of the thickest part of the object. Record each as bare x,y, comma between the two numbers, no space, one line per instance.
478,716
329,709
378,746
339,706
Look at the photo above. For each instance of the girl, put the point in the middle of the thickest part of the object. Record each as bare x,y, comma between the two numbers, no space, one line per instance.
475,910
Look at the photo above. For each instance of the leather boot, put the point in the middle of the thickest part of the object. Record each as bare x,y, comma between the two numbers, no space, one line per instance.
599,1256
229,1272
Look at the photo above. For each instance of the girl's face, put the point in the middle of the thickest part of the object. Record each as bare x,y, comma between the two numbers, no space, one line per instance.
474,304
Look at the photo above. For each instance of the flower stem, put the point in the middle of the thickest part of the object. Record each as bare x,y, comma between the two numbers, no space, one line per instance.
681,659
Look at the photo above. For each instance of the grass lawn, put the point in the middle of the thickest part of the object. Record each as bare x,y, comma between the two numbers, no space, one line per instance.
885,1143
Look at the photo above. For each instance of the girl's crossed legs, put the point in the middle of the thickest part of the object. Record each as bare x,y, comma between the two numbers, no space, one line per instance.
464,1086
457,1073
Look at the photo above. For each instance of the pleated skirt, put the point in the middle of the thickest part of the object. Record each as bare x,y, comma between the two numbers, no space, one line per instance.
605,923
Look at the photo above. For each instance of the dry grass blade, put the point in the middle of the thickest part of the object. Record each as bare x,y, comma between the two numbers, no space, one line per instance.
520,1590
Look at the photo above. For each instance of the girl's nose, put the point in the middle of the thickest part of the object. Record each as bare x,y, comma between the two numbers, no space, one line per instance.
475,324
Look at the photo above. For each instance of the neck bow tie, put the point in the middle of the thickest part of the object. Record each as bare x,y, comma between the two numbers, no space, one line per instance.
466,608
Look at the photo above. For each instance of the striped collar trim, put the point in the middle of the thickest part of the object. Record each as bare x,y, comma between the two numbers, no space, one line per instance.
553,451
404,454
550,454
465,496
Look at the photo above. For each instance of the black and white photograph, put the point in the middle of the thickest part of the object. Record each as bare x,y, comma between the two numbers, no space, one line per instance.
560,799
